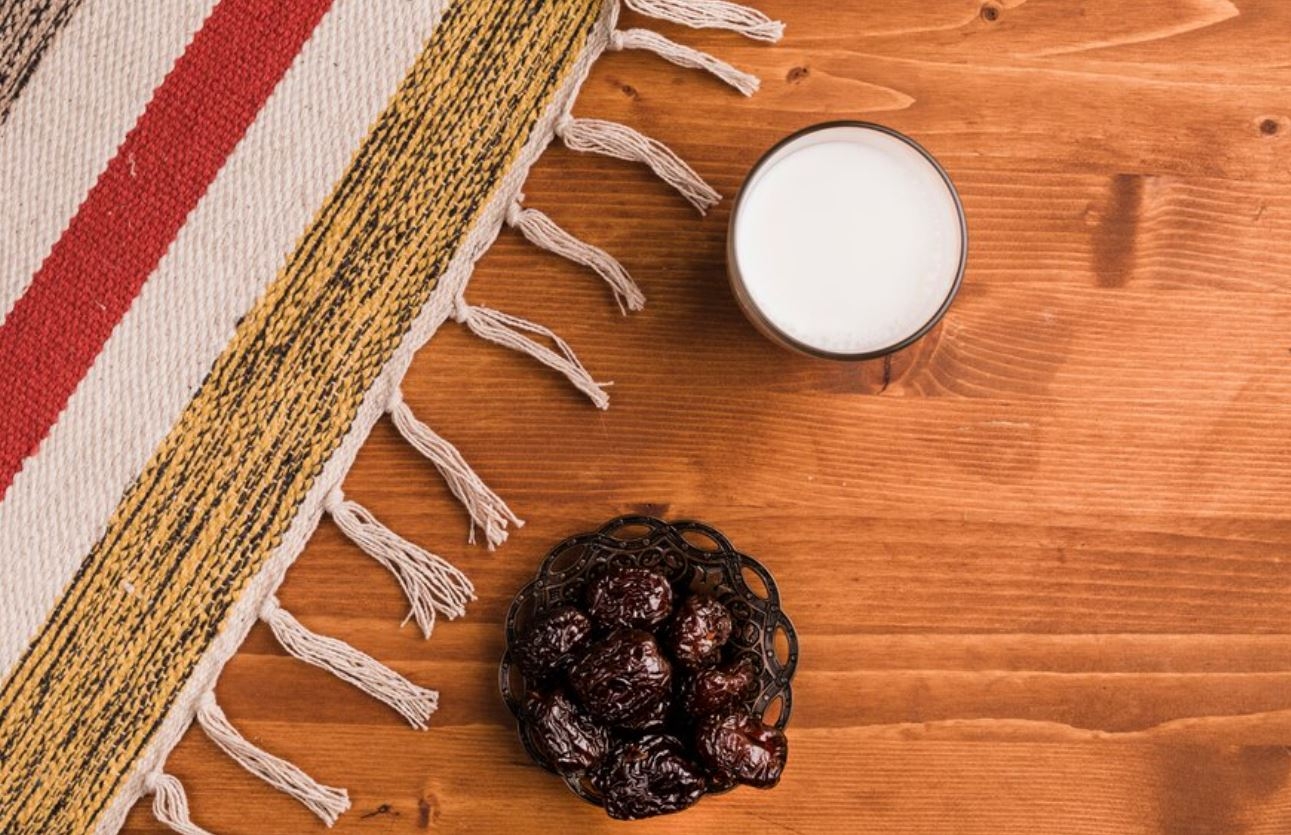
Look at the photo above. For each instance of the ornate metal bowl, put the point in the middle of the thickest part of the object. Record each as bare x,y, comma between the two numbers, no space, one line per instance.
695,557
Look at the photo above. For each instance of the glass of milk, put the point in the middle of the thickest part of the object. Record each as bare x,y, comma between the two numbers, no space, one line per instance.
848,242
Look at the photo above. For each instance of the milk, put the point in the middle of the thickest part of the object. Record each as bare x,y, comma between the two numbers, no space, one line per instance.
848,240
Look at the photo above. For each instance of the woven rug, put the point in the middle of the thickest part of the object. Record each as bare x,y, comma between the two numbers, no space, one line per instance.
225,228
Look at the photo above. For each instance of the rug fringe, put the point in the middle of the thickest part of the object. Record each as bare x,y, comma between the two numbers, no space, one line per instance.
508,331
712,14
170,804
612,139
543,232
684,56
431,584
326,802
487,510
414,703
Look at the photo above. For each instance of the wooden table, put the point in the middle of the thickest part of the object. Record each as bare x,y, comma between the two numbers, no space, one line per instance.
1039,564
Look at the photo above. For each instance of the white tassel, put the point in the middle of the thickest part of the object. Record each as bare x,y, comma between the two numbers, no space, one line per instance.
416,704
431,584
684,56
622,142
326,802
508,331
713,14
488,512
543,232
170,805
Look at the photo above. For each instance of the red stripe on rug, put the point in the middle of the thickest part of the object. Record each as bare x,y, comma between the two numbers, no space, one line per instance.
130,217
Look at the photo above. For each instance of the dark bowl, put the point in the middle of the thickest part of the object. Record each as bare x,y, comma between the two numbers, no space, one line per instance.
694,557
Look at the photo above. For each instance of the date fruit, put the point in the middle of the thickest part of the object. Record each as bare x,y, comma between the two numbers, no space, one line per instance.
719,689
553,641
650,776
567,738
653,717
739,744
700,629
622,676
629,597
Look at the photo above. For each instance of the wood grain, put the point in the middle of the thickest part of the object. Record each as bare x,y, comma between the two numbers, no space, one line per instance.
1038,563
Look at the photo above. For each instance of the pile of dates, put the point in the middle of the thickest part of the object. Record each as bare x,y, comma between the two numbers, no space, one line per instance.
636,693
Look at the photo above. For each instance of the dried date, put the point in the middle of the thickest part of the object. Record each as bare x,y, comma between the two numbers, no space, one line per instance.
629,598
568,739
648,777
552,642
622,676
653,717
740,745
700,629
720,689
